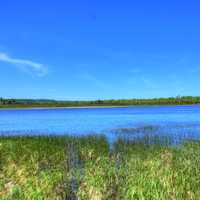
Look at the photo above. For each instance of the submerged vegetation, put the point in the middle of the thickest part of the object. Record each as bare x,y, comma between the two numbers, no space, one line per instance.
15,103
87,168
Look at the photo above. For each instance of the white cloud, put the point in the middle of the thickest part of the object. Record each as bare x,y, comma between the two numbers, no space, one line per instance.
25,65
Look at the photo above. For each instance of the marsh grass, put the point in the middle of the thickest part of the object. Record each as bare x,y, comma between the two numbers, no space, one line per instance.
87,168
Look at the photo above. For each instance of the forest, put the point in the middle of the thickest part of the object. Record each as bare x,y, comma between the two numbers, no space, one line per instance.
179,100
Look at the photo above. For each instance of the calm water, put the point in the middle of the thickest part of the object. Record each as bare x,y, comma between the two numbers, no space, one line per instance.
176,122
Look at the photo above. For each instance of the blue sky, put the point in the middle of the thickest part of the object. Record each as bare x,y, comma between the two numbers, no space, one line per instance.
99,49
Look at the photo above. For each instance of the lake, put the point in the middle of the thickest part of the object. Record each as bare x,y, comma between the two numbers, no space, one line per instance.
135,122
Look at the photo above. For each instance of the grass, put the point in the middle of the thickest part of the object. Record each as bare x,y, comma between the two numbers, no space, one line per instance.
87,168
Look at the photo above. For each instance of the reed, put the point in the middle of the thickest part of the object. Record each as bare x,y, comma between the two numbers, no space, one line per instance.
88,168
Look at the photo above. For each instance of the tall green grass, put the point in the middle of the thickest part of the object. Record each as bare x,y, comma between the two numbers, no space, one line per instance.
87,168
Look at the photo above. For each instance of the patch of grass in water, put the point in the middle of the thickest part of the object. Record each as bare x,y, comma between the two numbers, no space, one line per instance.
86,168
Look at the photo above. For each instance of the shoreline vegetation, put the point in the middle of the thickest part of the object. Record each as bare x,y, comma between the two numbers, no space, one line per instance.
45,103
86,168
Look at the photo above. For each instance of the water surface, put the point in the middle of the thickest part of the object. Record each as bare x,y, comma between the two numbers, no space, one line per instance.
176,122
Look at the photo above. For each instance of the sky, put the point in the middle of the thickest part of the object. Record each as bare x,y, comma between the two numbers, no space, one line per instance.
88,49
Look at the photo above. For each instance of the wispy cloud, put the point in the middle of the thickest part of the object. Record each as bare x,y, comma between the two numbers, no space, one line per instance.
25,65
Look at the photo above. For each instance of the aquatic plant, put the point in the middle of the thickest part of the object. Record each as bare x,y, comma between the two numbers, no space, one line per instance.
87,168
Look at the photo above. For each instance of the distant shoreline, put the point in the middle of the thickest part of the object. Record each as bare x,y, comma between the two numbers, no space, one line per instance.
88,107
67,107
107,103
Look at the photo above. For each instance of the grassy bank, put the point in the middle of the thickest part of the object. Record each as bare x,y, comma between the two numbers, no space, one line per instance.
86,168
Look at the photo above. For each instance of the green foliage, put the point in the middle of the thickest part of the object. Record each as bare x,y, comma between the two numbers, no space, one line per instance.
9,103
86,168
32,168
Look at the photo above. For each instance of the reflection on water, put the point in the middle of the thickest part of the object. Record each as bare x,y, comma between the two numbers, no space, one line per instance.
152,124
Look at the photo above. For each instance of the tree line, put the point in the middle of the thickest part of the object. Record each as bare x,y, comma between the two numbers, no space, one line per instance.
179,100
